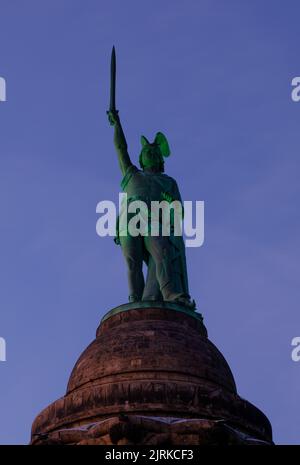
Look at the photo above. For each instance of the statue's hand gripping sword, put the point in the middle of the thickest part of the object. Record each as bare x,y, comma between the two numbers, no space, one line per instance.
112,112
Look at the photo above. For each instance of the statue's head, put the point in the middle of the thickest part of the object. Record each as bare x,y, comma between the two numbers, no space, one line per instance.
152,155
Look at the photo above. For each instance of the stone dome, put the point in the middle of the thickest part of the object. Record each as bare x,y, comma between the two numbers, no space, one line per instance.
156,342
153,360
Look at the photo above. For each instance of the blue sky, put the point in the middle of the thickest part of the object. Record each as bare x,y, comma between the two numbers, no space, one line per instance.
215,77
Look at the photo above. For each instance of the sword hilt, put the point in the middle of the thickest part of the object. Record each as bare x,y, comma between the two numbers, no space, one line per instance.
112,112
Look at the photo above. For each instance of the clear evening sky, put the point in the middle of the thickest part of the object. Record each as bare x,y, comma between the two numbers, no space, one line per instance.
215,77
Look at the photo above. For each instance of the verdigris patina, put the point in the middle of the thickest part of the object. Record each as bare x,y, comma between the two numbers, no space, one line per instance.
164,254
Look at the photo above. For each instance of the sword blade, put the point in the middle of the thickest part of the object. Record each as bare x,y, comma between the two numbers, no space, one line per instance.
112,105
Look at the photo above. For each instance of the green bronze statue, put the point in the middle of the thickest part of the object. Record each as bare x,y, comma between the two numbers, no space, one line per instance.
164,255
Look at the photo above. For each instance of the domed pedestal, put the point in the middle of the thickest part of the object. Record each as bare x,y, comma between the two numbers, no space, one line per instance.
151,376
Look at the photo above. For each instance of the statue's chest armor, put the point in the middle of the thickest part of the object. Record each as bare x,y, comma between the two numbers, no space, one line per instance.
148,186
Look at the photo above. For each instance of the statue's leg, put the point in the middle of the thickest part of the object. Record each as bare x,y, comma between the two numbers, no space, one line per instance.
152,290
159,250
132,248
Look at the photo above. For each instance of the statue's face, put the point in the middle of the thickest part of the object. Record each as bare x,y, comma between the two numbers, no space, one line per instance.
151,157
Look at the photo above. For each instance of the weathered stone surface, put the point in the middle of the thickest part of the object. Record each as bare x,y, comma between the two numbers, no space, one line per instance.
146,369
101,428
134,429
185,439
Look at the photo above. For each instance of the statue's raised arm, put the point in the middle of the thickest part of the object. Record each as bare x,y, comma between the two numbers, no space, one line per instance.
119,141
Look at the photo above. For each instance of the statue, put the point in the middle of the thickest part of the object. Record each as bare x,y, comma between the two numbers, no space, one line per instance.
164,255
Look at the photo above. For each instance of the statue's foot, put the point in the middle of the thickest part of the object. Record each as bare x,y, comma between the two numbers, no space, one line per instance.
152,298
134,298
182,300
